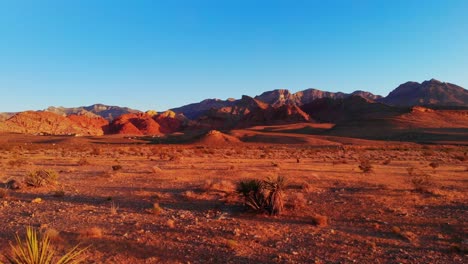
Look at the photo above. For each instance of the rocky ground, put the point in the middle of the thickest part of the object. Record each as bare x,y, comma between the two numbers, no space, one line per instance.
139,203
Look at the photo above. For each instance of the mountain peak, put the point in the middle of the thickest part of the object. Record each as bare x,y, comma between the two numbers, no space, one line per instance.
431,92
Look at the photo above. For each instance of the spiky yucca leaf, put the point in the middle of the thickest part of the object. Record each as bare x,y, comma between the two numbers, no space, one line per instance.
39,251
252,190
275,198
266,195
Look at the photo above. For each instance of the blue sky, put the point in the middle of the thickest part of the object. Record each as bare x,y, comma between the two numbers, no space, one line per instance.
163,54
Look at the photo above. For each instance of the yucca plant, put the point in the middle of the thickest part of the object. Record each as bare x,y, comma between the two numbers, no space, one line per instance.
266,195
253,193
275,188
37,250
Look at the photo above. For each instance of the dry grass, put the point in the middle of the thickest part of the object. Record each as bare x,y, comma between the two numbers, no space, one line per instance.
419,180
41,178
156,209
320,220
92,232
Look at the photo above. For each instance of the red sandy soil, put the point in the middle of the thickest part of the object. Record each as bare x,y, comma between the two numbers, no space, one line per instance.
375,217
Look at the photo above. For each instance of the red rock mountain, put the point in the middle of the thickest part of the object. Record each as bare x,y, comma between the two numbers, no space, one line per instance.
31,122
149,123
432,92
249,111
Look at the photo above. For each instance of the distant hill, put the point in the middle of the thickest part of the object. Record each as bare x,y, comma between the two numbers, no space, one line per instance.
432,92
249,111
104,111
282,96
195,110
42,122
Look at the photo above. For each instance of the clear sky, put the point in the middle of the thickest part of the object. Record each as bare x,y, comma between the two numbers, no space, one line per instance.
163,54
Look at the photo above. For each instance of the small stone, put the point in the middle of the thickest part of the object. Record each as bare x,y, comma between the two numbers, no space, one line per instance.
37,200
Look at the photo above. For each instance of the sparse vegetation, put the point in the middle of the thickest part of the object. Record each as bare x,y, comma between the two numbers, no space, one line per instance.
83,162
365,165
41,178
38,250
114,208
320,220
116,167
266,195
420,181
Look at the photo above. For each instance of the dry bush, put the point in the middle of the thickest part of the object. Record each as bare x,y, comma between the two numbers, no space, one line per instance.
156,209
58,193
13,185
114,208
189,195
3,193
83,162
116,167
17,162
365,165
170,223
219,186
297,201
96,151
320,220
41,178
306,187
420,181
93,232
387,162
156,169
434,165
52,234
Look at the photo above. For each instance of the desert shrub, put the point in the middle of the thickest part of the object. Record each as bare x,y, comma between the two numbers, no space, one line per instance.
275,199
3,193
41,178
320,220
434,165
116,167
365,165
297,201
387,162
96,151
92,232
114,208
254,193
420,180
17,162
37,250
218,185
83,161
266,195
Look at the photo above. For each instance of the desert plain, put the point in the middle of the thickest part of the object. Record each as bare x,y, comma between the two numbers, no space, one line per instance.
129,200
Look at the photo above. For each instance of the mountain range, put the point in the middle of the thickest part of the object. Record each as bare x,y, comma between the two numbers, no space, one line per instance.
349,113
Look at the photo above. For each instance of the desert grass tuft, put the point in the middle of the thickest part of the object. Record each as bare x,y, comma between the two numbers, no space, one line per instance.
365,165
156,209
38,250
420,181
114,208
41,178
92,232
320,220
